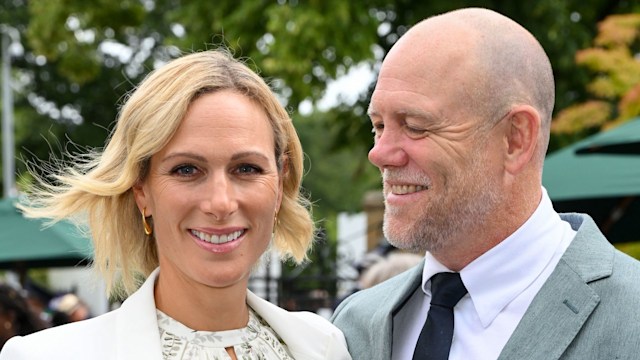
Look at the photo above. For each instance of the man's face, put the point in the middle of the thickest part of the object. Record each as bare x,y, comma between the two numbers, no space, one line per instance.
441,173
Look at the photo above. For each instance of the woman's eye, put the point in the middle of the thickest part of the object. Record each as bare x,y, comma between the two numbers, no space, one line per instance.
249,169
185,170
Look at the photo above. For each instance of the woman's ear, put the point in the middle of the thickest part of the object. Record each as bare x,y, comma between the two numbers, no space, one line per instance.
521,137
284,174
139,195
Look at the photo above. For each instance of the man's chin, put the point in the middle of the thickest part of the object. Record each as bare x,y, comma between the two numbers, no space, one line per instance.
401,240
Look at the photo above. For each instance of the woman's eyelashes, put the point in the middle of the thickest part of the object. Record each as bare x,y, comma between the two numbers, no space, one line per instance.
185,170
249,169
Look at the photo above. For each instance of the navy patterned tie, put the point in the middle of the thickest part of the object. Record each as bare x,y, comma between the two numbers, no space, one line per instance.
435,338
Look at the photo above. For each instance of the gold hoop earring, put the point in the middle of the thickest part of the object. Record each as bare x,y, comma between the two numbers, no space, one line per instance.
275,224
147,228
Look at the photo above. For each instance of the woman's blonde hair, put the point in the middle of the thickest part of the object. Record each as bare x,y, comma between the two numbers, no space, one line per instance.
95,189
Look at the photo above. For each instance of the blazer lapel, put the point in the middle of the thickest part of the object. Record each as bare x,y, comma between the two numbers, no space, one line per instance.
307,335
287,327
566,300
137,334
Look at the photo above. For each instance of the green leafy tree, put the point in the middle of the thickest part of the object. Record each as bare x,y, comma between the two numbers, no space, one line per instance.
614,90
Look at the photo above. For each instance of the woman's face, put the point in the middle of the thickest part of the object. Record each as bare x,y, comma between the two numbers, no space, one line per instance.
212,192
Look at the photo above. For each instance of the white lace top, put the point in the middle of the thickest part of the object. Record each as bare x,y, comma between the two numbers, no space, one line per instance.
257,341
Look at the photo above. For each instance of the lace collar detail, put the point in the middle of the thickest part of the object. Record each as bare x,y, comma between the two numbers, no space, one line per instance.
217,339
255,341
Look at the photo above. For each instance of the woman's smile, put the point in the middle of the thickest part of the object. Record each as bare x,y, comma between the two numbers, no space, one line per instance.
218,238
219,244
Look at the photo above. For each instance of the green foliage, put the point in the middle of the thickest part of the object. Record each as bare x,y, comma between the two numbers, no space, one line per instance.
615,87
588,115
69,32
335,179
630,248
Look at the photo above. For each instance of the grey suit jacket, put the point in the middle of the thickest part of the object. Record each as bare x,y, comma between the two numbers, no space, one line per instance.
589,308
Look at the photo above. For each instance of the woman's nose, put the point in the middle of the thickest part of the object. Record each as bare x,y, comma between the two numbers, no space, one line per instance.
220,198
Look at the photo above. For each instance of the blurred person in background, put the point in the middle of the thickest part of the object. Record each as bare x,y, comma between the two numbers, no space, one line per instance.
200,177
68,308
39,298
392,264
16,317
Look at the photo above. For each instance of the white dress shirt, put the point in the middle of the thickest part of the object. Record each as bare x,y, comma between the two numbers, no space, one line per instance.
501,283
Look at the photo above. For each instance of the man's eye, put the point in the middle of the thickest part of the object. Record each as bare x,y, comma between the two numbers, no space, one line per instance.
377,129
415,131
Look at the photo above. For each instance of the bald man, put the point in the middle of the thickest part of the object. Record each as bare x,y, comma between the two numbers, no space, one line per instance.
461,114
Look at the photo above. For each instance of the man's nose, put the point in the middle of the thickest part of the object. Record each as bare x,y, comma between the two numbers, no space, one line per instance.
388,150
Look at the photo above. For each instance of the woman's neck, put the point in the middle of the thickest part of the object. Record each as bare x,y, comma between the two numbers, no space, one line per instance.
200,307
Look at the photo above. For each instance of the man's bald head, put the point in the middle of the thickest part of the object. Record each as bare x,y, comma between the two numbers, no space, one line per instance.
496,62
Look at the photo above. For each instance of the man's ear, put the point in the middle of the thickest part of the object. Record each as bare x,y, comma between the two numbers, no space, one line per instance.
523,127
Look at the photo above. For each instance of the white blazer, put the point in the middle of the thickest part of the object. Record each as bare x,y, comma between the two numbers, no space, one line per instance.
131,332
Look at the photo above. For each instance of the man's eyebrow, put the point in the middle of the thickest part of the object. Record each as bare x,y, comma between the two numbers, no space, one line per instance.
405,113
418,113
371,111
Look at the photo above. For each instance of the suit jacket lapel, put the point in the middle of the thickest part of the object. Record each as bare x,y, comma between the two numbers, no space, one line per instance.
381,324
566,300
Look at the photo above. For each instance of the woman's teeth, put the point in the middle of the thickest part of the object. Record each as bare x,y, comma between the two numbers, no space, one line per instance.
217,239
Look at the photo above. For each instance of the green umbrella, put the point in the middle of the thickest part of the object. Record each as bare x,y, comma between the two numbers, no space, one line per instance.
26,243
603,185
624,139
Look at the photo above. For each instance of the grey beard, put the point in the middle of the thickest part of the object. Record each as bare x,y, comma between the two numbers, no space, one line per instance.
433,231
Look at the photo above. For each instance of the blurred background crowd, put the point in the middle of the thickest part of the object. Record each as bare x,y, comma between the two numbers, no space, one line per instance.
24,311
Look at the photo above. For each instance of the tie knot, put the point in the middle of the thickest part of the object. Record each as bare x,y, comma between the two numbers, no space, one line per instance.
446,289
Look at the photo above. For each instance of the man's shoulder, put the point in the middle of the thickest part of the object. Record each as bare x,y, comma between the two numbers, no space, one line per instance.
611,273
626,272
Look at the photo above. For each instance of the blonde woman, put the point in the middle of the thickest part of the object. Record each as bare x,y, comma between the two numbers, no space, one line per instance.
199,177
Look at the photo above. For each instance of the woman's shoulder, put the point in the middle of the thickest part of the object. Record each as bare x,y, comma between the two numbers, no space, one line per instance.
314,320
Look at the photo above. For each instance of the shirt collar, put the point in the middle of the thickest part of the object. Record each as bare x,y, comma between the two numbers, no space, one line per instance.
497,277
